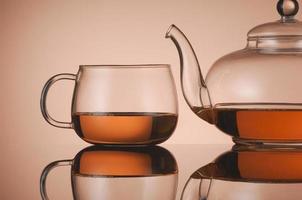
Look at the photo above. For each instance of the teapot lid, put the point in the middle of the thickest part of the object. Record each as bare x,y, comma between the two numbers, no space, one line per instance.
287,28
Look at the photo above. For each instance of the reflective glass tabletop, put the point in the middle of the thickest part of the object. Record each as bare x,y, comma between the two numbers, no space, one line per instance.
158,172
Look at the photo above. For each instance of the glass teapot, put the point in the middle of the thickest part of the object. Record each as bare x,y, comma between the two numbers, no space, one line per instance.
252,94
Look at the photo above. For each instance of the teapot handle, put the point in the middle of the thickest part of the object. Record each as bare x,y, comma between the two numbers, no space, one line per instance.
43,100
45,173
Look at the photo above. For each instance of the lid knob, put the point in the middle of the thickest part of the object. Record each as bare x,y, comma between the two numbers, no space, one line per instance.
288,8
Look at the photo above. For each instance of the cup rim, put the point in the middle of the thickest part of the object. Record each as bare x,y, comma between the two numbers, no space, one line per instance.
127,66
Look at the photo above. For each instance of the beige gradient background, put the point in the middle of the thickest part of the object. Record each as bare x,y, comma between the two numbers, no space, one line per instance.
40,38
43,38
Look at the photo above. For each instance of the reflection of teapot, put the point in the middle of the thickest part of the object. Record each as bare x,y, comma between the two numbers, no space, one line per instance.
252,94
120,173
246,173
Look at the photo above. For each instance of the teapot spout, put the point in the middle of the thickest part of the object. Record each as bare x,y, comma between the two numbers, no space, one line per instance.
193,85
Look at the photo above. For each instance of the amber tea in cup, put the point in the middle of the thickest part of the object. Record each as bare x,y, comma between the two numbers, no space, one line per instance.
124,127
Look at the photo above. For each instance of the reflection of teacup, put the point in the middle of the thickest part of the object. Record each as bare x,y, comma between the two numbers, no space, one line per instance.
109,173
246,173
115,104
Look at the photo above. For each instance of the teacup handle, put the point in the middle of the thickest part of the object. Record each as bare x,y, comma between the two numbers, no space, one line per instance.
43,100
45,173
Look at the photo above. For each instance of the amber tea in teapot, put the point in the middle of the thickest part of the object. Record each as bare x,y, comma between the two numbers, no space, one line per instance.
249,122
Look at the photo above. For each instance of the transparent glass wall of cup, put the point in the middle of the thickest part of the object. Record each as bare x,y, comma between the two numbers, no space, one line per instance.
110,173
120,104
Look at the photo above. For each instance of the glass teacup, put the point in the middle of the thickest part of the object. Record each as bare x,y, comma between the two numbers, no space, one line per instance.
120,104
